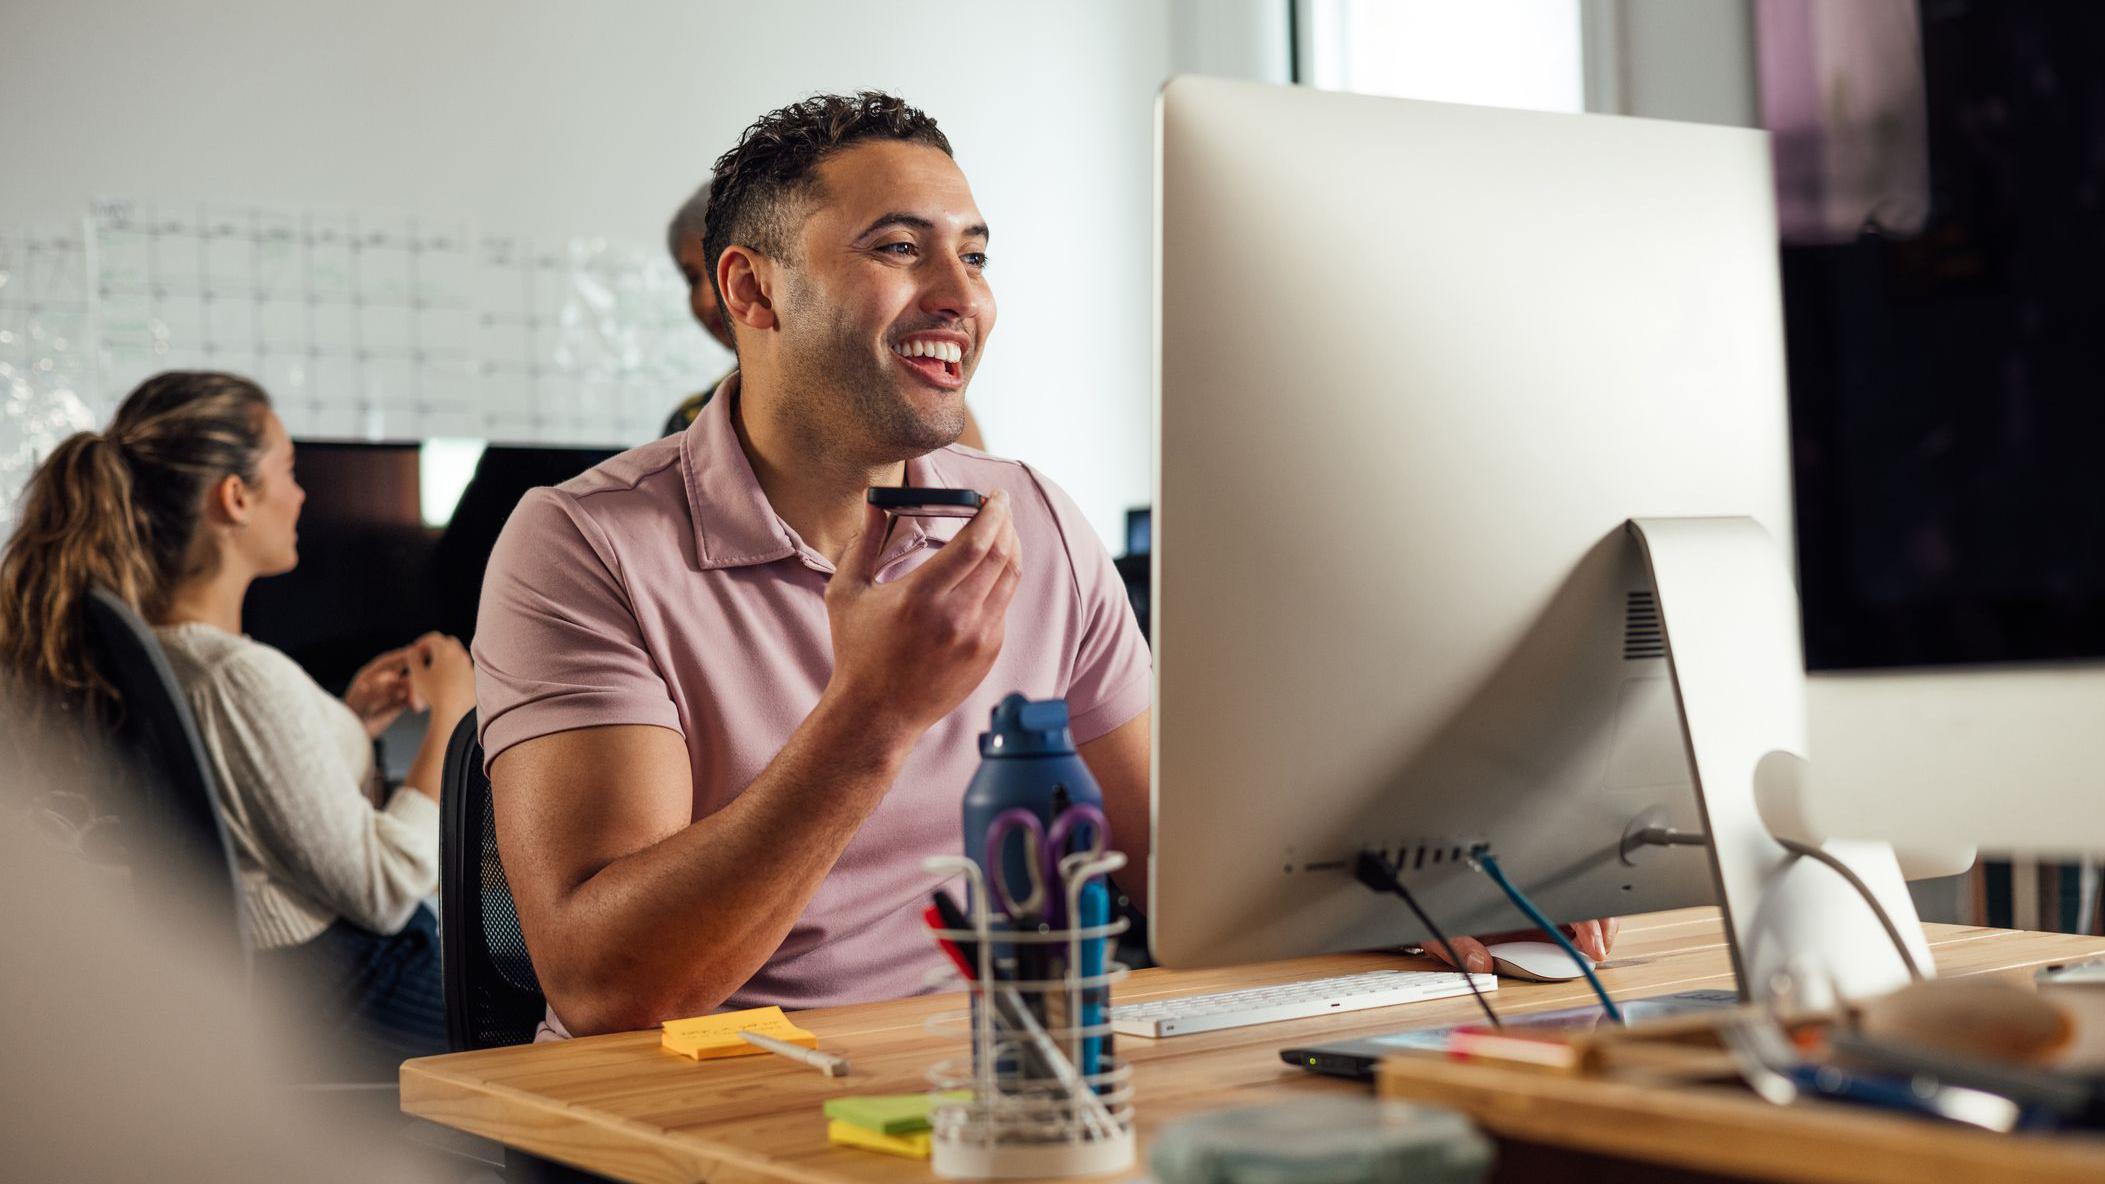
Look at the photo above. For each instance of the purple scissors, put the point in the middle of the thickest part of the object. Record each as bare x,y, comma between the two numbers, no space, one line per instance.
1047,899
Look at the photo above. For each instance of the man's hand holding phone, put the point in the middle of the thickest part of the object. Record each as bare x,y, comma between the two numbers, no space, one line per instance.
908,501
913,648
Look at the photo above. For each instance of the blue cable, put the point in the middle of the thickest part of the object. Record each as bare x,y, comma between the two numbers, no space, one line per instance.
1488,864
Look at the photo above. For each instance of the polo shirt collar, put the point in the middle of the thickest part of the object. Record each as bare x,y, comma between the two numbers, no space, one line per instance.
735,526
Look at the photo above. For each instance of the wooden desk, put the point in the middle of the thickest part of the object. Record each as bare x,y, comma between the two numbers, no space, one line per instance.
619,1106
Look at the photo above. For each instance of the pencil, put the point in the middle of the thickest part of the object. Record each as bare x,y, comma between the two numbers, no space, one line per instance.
824,1062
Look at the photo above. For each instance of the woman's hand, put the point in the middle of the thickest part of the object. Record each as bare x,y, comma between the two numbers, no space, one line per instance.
1593,939
441,678
380,691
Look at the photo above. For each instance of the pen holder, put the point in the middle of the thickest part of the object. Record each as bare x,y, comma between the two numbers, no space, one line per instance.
1048,1095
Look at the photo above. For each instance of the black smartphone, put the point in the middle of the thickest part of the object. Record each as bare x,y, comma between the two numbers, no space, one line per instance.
922,502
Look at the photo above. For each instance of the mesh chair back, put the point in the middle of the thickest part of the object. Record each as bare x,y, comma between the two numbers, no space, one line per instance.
169,804
492,996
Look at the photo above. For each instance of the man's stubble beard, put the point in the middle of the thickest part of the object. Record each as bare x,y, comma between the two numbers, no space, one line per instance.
839,391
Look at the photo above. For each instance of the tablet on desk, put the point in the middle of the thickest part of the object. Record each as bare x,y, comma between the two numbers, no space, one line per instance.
1358,1059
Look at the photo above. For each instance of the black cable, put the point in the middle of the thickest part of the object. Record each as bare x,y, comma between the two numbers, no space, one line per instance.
1843,870
1667,836
1375,871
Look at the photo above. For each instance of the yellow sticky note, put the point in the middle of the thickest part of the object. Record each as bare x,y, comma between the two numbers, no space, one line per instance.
847,1134
706,1037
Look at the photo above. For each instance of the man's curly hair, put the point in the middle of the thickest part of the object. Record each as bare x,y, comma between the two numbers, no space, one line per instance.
761,181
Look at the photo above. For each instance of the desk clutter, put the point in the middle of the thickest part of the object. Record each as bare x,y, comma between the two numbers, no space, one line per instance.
1977,1053
1972,1078
1046,1094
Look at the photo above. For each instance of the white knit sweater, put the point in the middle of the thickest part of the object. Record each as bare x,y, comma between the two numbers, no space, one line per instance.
293,764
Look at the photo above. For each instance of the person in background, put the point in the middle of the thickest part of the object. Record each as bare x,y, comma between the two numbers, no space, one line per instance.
683,237
184,500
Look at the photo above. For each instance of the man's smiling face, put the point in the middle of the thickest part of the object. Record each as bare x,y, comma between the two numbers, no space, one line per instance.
885,308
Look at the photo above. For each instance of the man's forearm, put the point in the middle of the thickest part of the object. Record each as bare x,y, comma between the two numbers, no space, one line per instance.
675,928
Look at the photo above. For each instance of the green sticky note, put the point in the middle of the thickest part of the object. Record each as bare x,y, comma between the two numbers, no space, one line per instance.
891,1114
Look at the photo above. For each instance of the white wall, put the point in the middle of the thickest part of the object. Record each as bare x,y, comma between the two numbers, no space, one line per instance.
1691,60
555,118
1232,39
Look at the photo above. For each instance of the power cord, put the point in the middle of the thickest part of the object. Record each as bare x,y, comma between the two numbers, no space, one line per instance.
1375,871
1485,862
1667,836
1806,851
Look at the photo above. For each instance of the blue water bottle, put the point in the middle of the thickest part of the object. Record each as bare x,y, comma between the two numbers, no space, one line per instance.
1028,762
1027,759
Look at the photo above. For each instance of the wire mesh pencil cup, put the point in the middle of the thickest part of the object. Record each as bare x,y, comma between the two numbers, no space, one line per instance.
1033,1110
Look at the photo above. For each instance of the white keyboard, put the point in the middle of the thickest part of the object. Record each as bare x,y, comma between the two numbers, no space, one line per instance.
1291,1001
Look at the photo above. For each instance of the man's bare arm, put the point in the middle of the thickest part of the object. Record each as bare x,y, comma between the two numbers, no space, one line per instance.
1118,760
633,913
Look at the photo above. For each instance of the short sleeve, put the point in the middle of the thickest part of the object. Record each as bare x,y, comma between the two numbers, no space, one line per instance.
1113,671
557,644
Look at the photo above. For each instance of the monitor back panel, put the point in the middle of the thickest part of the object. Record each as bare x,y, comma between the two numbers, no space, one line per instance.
1418,365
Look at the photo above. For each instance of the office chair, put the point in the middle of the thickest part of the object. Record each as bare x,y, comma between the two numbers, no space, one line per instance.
171,796
169,801
492,996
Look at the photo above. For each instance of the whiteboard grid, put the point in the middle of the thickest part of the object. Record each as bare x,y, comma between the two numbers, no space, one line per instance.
370,327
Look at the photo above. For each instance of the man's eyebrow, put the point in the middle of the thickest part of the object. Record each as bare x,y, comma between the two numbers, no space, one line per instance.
916,222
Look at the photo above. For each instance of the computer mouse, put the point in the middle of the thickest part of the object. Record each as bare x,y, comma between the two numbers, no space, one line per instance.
1537,961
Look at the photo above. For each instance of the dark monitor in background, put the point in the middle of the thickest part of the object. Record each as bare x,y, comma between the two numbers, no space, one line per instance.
393,541
1134,567
1140,530
1947,357
1944,288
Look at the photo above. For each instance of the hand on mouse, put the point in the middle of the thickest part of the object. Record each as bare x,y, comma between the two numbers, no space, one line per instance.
1593,939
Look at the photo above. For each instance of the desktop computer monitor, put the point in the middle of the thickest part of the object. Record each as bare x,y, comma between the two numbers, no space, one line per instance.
1946,363
1420,365
393,541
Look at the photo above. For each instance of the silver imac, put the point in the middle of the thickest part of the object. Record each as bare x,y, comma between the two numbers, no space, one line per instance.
1419,367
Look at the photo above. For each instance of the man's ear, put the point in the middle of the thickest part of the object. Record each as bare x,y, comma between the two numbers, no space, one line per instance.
746,279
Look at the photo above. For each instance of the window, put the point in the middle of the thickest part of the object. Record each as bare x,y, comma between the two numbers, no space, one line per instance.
1496,53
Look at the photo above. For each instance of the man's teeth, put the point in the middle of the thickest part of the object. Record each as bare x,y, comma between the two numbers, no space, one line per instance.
943,351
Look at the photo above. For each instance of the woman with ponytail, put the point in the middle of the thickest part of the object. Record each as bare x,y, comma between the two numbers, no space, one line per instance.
183,501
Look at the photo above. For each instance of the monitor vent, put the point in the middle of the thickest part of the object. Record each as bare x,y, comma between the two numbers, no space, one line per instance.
1642,636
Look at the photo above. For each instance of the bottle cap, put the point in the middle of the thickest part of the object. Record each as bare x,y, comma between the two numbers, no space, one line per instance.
1022,727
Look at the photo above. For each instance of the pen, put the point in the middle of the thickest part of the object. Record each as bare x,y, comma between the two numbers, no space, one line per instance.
824,1062
953,918
1006,1002
956,950
1090,1108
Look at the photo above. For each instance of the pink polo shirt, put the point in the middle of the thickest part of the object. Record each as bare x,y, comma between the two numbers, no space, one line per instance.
661,588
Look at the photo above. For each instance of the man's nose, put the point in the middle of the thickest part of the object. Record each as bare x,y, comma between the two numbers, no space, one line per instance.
953,291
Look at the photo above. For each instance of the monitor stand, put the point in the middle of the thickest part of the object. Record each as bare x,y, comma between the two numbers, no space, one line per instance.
1729,612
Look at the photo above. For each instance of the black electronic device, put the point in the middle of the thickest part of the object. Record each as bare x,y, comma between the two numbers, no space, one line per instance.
1944,371
374,571
1358,1060
912,501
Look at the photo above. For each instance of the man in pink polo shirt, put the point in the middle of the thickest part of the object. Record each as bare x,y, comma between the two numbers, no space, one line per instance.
728,708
